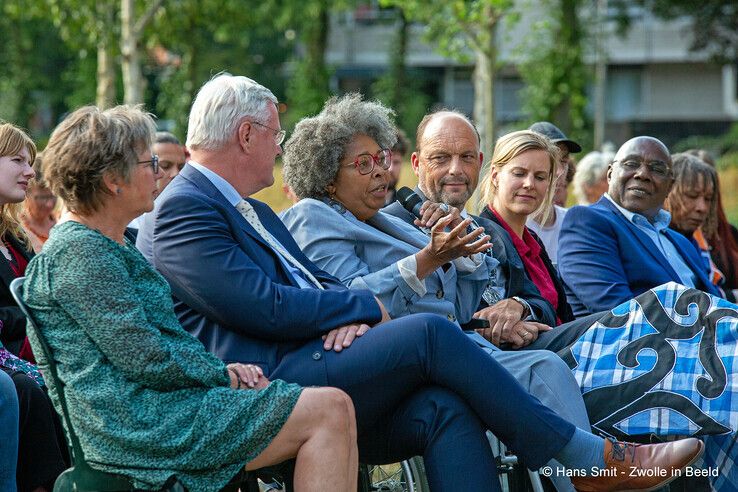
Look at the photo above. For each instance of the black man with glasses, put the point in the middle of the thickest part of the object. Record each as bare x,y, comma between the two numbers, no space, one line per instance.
622,246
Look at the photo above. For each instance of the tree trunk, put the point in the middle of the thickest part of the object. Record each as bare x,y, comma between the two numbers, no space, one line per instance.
600,76
132,29
105,75
105,96
131,65
397,62
484,101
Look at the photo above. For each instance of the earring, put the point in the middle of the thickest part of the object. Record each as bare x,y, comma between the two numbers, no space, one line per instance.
118,190
335,204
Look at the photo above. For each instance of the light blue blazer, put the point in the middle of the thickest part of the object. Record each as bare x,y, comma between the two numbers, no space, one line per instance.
364,255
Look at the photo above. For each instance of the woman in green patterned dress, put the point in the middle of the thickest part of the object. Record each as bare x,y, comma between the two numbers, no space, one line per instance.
145,397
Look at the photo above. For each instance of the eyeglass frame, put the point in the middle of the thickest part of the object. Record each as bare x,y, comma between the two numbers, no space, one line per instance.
154,161
375,161
279,135
649,166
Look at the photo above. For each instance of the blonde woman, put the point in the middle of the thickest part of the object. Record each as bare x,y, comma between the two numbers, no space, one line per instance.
41,453
519,184
17,153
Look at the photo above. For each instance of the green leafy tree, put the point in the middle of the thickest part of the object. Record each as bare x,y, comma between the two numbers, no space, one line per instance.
91,25
204,38
131,35
461,28
399,89
113,28
308,87
555,74
32,56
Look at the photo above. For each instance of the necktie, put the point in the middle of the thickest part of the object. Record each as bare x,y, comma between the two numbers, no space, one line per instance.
248,213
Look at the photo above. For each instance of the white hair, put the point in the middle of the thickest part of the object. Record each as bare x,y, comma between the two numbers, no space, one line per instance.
590,169
220,106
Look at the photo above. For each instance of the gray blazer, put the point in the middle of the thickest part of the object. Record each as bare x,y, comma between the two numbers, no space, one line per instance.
364,255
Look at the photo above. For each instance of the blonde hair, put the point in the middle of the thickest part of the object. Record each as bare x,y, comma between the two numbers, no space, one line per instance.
507,148
89,144
12,141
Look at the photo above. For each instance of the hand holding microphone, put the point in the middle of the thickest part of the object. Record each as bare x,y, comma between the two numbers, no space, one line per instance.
444,247
427,213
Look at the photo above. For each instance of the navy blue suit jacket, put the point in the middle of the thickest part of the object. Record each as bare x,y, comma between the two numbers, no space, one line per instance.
604,259
517,282
231,290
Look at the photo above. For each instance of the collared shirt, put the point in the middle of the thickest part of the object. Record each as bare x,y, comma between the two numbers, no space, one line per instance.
656,232
234,198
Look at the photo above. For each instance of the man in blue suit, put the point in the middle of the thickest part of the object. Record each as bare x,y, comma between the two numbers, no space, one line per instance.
245,289
622,246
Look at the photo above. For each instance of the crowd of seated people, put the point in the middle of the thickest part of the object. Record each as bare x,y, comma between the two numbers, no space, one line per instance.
340,225
350,329
269,303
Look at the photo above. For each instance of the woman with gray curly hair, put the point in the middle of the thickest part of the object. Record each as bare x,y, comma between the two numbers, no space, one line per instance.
338,165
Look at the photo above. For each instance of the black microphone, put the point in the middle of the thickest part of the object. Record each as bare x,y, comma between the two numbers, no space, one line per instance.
410,200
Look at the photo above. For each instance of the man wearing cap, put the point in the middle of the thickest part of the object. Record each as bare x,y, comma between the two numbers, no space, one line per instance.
548,231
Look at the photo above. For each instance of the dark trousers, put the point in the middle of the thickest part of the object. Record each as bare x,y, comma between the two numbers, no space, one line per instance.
420,386
42,451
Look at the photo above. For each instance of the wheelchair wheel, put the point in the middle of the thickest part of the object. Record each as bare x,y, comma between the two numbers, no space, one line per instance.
407,476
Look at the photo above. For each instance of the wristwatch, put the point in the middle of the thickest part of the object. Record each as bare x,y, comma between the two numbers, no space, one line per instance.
526,306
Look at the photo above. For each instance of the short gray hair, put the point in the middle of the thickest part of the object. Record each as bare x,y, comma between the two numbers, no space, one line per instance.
220,106
313,153
590,169
91,143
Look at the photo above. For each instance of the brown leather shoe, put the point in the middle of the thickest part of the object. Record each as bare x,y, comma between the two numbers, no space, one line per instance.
640,467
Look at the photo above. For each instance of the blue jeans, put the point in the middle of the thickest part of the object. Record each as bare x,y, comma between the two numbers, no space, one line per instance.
9,430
